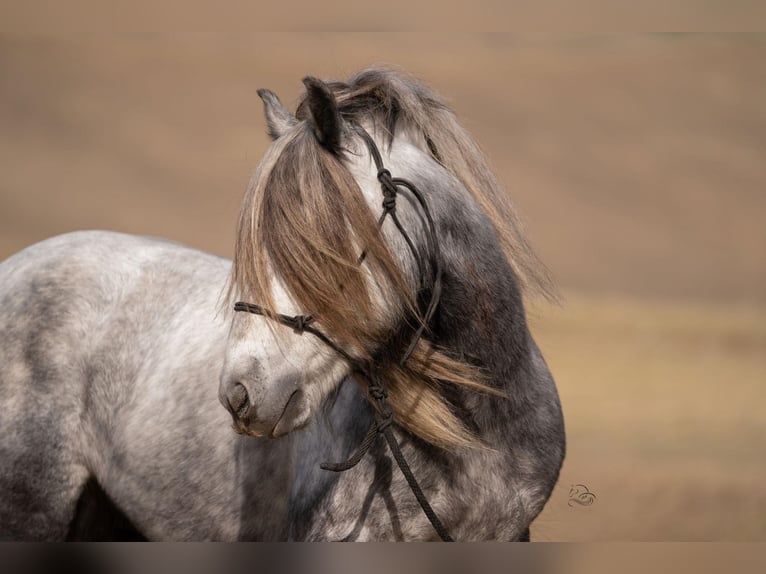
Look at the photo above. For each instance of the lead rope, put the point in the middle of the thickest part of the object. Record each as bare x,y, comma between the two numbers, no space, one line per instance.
378,396
384,418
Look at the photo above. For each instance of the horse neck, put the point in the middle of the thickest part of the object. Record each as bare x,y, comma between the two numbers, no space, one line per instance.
481,312
482,320
481,317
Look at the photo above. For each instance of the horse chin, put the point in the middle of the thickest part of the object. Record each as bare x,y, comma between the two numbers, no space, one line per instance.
295,415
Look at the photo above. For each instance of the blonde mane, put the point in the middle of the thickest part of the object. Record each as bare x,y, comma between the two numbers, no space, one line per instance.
304,219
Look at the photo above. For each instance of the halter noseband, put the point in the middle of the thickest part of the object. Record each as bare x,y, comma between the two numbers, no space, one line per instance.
377,394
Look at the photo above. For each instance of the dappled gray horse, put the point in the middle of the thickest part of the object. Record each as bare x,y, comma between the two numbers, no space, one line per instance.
112,346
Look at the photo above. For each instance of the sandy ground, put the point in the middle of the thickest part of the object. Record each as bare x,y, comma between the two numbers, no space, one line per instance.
637,163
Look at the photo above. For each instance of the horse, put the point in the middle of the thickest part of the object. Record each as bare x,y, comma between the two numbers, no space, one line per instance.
327,235
404,298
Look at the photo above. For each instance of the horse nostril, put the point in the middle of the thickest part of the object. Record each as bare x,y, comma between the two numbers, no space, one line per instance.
239,401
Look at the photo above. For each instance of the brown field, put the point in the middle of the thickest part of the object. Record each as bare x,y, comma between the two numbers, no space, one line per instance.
637,162
665,417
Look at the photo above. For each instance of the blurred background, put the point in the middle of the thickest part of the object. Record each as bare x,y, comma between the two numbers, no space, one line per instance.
636,161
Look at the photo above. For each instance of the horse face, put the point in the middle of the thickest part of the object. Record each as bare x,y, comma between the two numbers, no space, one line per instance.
273,379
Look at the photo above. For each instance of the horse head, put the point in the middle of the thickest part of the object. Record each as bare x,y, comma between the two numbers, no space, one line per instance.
314,245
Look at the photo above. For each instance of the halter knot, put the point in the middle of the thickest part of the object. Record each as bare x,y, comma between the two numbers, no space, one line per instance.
384,176
385,421
378,392
389,190
300,322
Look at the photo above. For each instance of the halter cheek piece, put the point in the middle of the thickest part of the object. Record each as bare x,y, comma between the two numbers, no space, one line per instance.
377,394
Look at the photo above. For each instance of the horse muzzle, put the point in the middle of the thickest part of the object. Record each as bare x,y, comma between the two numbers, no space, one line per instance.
261,414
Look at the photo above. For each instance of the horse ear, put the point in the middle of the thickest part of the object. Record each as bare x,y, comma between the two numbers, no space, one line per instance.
278,119
325,116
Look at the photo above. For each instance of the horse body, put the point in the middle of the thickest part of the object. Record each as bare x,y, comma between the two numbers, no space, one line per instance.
112,348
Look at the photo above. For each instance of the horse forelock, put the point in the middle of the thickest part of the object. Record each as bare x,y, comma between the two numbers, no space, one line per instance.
304,219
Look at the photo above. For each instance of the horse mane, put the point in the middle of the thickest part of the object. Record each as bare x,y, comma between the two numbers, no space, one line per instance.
394,99
302,219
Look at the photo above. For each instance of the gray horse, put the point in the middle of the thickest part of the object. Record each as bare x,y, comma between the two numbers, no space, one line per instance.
112,346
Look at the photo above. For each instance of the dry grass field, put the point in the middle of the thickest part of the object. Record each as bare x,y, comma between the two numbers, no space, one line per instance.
637,162
665,417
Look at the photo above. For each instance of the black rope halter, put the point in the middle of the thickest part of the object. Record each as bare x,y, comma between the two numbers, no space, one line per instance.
384,416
